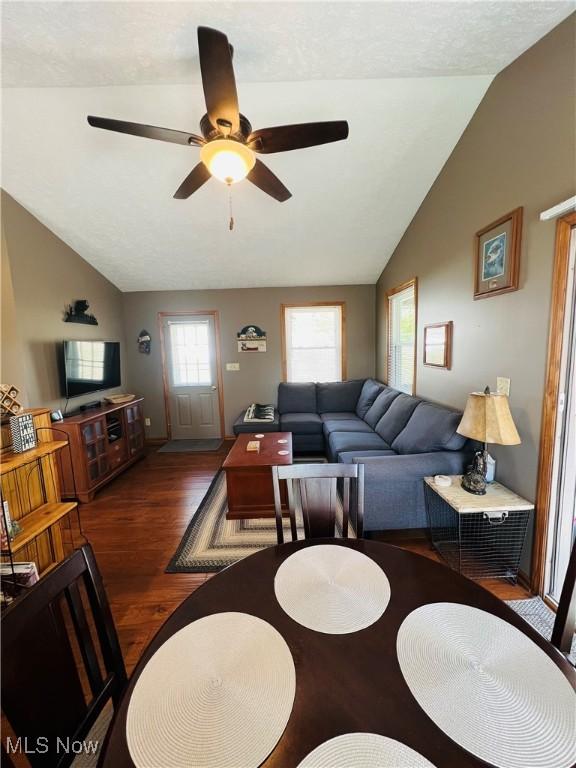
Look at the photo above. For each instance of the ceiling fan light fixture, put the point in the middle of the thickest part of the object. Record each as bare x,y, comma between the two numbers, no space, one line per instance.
227,160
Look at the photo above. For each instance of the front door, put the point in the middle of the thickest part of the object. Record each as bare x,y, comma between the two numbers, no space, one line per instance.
191,376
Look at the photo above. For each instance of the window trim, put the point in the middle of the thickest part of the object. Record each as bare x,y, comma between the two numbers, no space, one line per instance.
343,335
412,283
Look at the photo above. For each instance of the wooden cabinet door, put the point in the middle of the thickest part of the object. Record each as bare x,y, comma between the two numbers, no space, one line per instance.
96,449
134,429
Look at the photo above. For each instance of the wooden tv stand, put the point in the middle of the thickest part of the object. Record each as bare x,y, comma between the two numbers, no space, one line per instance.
103,443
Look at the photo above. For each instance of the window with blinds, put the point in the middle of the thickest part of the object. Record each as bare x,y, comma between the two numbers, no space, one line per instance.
190,353
313,342
402,338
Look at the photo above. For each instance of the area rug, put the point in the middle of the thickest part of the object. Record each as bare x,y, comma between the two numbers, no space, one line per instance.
191,446
541,618
211,542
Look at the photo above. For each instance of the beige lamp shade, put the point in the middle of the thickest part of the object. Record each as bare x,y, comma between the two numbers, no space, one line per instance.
487,418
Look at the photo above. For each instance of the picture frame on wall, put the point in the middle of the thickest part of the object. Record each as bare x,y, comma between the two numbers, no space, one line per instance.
438,345
497,256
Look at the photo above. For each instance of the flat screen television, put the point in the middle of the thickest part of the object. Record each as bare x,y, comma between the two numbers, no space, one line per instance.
89,366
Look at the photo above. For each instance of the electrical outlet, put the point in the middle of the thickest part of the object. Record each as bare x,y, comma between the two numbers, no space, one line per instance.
503,385
147,422
232,366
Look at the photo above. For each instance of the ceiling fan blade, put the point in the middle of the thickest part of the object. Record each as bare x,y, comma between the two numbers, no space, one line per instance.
197,176
218,79
147,131
283,138
263,177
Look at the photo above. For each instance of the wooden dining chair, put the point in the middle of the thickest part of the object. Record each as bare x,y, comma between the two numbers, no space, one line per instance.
312,489
61,661
565,623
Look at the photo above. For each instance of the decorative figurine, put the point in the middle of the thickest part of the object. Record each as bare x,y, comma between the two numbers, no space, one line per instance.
474,480
144,340
76,313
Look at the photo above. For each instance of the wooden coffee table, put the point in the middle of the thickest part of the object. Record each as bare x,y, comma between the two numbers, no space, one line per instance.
249,477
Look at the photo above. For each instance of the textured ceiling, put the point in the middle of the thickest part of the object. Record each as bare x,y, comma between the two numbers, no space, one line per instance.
128,43
407,76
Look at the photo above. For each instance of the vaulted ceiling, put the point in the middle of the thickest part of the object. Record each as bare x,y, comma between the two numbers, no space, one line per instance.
406,75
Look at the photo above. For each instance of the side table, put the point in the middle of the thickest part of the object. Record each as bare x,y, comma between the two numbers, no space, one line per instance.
478,536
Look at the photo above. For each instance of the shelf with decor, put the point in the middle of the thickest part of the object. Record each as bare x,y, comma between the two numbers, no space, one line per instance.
32,511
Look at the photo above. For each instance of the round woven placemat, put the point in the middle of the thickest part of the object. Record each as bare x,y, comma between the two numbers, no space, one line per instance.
488,686
364,750
218,693
332,589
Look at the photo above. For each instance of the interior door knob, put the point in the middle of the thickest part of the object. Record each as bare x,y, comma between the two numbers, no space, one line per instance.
213,388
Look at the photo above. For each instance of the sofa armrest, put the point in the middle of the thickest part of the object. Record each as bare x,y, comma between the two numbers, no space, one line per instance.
414,466
394,488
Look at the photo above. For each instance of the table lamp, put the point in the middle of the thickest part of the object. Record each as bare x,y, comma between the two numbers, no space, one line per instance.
486,418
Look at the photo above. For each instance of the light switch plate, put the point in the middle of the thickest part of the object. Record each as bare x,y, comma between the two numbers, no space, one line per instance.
232,366
503,385
146,422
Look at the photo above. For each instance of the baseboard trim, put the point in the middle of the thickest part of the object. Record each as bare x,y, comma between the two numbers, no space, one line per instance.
162,440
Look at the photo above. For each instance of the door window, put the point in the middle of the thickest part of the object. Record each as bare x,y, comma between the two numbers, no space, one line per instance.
190,353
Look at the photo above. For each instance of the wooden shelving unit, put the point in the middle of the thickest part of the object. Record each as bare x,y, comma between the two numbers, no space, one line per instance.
29,483
104,442
38,521
11,461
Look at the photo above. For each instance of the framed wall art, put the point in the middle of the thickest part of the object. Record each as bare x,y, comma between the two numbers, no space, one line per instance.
438,345
497,256
251,339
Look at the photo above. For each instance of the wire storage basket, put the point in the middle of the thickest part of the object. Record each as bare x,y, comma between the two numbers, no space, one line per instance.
479,544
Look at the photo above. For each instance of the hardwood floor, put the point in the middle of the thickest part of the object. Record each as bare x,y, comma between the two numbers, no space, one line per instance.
135,525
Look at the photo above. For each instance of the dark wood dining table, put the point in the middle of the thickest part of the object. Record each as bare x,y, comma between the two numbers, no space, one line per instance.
344,683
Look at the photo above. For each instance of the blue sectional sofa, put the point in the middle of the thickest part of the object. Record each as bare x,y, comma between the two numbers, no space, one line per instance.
400,439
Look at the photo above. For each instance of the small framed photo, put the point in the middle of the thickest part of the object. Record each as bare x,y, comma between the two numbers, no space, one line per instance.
497,256
438,345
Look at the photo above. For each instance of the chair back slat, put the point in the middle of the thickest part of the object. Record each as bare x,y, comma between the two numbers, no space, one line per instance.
318,504
345,507
278,506
52,682
292,510
565,623
105,628
312,490
85,641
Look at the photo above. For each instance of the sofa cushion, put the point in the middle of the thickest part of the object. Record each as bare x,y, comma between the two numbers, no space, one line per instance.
345,425
430,428
348,457
338,416
297,398
301,423
380,406
396,417
338,395
338,442
369,393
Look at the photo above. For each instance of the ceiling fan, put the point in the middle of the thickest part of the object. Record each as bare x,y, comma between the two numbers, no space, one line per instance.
228,144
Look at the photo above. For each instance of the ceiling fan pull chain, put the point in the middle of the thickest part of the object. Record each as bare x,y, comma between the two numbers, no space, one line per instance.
231,224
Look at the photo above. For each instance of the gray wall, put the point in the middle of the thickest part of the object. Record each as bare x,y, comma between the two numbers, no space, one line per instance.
46,276
12,366
260,373
518,150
